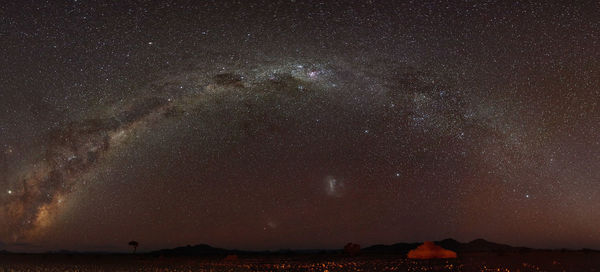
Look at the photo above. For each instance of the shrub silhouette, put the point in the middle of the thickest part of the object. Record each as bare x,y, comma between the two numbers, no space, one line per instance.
351,249
134,244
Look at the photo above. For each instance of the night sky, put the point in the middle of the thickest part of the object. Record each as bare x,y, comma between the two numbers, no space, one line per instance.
298,124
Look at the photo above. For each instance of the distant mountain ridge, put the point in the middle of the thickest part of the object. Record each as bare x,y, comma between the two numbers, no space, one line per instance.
200,249
207,250
477,245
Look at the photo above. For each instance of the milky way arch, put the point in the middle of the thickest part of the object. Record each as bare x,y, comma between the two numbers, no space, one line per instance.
409,109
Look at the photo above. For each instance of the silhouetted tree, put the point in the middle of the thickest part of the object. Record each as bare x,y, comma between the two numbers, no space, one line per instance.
134,244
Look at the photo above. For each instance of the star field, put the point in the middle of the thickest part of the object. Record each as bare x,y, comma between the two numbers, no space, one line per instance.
298,124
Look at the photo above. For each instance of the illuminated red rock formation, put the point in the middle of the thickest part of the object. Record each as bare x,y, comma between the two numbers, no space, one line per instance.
429,250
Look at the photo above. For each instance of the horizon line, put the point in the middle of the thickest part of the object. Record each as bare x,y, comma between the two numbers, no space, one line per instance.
3,248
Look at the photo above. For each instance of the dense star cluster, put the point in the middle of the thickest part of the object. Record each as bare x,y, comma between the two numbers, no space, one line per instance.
298,124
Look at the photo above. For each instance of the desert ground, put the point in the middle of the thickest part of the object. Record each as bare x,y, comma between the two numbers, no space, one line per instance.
532,261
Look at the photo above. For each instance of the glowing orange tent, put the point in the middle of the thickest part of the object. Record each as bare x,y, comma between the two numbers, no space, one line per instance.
429,250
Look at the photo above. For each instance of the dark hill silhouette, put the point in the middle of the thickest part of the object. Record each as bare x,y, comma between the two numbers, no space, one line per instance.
395,248
201,249
482,245
450,244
